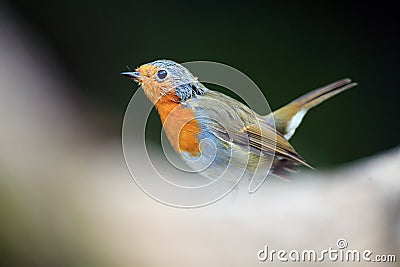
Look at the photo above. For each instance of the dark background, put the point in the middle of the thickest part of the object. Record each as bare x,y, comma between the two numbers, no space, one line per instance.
286,48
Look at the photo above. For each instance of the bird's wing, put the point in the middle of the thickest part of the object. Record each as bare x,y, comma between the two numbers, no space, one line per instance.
244,127
260,138
265,138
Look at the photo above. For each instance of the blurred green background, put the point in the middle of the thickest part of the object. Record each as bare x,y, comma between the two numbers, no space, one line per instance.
287,48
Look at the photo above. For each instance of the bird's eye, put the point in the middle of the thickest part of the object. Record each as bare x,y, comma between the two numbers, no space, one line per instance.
161,74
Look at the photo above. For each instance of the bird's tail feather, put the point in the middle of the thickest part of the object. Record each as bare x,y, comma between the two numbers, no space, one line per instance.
289,117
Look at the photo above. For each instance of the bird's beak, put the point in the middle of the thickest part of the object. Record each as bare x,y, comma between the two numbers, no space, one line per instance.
134,75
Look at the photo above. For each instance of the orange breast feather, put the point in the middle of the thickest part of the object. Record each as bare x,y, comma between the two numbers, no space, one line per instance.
179,124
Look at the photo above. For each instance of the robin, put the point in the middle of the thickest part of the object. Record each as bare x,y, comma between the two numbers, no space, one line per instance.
211,131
